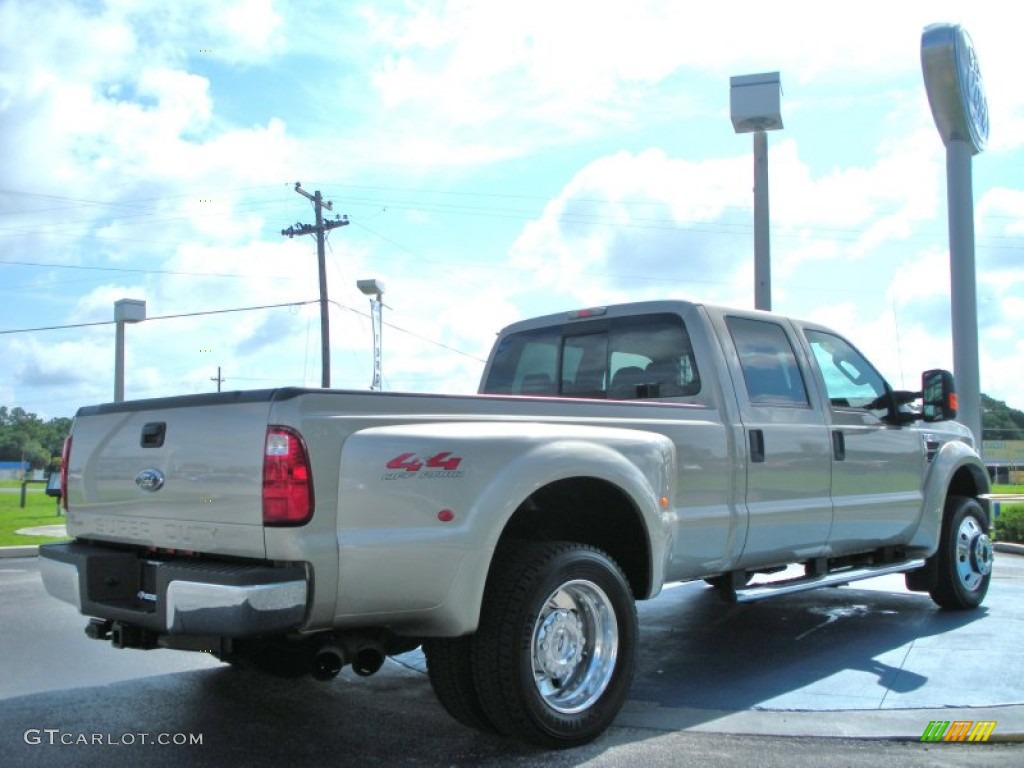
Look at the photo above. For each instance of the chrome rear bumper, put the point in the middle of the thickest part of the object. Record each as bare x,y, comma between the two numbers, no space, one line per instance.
174,596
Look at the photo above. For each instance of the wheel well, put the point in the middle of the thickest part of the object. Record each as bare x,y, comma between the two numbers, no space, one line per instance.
590,511
969,481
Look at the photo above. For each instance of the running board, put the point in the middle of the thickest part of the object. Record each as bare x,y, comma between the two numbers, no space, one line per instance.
834,579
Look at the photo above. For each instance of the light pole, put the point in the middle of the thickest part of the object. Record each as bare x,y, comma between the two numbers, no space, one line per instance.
125,311
754,108
375,290
956,95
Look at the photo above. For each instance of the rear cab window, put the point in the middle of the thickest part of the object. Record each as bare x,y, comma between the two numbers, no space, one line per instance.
620,358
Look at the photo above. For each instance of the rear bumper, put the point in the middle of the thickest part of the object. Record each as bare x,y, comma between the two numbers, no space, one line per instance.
175,597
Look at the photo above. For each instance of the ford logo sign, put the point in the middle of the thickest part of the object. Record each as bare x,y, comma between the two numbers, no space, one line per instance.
150,480
952,80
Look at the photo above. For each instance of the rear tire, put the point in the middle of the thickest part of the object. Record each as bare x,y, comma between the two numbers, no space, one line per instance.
964,557
450,670
554,655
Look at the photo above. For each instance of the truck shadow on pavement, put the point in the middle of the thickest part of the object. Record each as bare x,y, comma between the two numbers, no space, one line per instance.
829,649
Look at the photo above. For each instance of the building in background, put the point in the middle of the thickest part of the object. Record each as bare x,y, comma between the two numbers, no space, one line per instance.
13,470
1005,461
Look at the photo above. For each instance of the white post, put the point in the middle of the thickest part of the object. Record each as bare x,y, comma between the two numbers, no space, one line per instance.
762,242
962,290
754,107
376,317
125,311
956,95
375,290
119,363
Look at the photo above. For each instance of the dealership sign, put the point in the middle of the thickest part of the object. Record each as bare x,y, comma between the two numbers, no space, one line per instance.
955,89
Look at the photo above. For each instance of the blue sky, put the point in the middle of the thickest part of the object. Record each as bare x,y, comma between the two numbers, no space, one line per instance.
497,160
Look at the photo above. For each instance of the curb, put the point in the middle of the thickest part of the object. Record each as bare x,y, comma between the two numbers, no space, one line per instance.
875,724
31,550
1008,547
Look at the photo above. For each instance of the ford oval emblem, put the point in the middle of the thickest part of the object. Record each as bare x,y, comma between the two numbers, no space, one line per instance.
150,480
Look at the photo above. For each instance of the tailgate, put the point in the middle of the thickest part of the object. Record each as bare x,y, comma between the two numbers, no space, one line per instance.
183,473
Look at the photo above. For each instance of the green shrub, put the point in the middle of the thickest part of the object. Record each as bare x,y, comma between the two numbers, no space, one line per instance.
1010,523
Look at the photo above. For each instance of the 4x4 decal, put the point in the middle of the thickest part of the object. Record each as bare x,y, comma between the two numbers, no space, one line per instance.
410,462
409,465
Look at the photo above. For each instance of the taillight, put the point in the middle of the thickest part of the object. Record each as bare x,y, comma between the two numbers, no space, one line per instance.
287,479
65,457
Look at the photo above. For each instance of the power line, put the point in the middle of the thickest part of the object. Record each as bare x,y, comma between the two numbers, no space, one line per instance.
122,269
417,192
414,334
582,217
249,309
162,317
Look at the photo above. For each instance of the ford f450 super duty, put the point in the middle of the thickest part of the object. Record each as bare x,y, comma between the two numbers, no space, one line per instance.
610,451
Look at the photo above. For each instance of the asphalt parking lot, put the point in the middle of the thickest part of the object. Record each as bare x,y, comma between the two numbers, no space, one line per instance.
870,659
858,671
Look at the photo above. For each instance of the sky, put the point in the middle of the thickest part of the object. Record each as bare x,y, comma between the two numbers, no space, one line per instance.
496,160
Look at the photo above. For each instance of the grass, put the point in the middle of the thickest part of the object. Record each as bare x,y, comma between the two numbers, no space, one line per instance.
1008,489
1010,523
39,510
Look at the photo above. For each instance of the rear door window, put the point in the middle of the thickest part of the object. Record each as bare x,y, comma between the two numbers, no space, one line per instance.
770,370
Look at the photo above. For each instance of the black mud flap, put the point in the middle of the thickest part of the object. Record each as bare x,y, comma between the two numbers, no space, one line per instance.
923,579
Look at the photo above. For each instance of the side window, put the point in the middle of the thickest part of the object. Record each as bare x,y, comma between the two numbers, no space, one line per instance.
770,370
525,364
850,380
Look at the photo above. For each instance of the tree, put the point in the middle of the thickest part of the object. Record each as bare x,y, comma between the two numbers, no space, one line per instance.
1000,421
25,435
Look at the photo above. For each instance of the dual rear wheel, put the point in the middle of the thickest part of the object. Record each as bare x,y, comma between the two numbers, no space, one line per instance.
552,660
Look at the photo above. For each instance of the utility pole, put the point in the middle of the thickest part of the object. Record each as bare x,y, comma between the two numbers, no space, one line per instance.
319,229
218,379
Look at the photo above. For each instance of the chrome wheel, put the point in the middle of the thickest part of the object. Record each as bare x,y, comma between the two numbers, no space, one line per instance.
574,647
963,562
553,658
973,554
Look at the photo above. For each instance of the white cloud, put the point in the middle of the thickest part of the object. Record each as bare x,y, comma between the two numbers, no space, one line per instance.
434,94
635,224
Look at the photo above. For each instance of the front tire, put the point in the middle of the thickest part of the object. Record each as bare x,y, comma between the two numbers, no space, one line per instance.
964,557
554,655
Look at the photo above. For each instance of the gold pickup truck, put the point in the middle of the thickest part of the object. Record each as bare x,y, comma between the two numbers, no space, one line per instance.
610,451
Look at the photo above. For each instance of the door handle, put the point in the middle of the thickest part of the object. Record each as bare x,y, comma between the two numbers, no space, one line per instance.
838,445
757,446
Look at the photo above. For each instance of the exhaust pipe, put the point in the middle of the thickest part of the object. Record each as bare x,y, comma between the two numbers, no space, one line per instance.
99,629
368,660
327,663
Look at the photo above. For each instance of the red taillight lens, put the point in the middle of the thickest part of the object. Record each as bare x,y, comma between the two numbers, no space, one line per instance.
65,457
287,480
